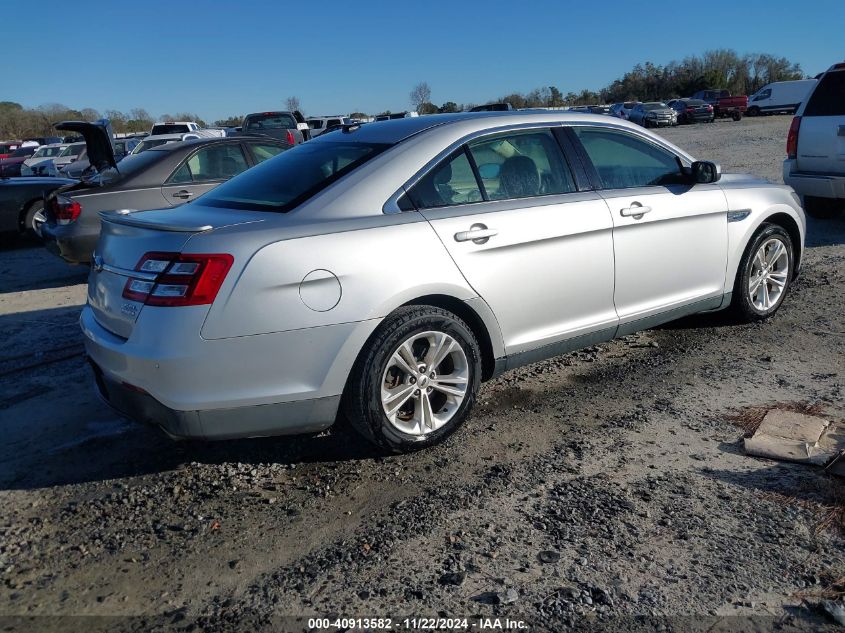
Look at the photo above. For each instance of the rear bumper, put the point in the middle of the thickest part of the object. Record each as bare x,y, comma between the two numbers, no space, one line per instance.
808,184
284,418
73,247
270,384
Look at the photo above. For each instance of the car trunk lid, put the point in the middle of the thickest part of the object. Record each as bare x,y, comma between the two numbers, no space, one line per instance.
98,141
125,237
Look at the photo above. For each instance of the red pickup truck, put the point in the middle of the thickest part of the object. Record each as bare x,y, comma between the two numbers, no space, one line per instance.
723,103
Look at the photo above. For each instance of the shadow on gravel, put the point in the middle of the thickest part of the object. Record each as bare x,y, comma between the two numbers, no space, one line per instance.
825,232
140,450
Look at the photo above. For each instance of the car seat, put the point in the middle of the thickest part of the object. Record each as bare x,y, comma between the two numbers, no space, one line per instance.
519,177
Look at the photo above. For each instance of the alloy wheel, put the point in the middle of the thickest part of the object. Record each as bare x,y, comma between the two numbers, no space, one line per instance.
769,274
424,383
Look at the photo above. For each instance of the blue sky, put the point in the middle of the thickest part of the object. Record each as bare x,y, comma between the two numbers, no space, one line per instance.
225,58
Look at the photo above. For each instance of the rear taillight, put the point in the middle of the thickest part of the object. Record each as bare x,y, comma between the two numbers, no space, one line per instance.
175,279
709,108
65,210
290,139
792,138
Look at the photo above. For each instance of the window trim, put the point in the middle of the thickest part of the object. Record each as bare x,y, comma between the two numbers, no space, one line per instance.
392,206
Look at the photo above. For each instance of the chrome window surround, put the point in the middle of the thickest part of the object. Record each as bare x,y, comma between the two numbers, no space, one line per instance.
392,204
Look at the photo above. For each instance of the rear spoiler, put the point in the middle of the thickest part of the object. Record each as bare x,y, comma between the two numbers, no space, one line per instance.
124,217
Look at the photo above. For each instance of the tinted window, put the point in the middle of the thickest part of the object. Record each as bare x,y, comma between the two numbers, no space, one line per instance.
217,162
624,161
73,150
293,176
829,96
169,129
255,122
263,151
24,151
521,165
763,95
450,182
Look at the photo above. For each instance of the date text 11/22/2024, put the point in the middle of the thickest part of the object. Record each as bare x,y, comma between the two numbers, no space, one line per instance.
418,624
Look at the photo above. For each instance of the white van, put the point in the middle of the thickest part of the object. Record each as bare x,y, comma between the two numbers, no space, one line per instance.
781,96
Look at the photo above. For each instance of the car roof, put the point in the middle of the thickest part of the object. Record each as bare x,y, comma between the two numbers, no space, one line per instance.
169,147
396,130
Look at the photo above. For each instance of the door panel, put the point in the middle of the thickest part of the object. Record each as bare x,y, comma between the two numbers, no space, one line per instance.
673,254
545,270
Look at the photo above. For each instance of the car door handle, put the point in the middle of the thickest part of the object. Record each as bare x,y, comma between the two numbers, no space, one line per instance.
184,194
636,209
478,234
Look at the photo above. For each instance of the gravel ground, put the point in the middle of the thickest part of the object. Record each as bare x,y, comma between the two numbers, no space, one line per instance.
606,489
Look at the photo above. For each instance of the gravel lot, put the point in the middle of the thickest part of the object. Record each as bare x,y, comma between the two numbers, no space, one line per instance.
587,489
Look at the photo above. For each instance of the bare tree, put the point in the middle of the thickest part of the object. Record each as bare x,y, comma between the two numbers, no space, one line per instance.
292,103
420,94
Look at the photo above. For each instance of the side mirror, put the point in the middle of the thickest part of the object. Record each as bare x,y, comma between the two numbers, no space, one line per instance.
705,172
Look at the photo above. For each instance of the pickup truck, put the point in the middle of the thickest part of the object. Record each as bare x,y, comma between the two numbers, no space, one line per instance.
723,103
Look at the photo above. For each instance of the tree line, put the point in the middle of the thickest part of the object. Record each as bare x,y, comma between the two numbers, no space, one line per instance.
722,68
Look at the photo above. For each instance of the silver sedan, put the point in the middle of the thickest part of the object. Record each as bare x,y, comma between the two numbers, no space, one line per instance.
380,273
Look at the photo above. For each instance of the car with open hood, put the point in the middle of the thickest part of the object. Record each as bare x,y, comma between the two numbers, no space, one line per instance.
380,273
161,177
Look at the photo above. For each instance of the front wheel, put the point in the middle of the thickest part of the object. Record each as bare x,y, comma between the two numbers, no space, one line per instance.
753,111
416,381
764,275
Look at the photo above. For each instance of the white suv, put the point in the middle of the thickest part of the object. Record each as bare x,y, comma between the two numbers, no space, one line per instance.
815,148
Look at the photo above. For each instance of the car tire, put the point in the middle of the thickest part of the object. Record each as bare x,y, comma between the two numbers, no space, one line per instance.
768,262
753,111
822,208
736,115
401,411
35,211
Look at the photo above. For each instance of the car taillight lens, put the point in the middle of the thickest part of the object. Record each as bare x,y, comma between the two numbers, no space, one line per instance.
290,139
65,210
175,279
709,108
792,138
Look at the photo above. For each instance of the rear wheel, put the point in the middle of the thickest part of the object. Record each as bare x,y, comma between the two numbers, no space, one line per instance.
823,208
736,115
416,381
33,217
764,274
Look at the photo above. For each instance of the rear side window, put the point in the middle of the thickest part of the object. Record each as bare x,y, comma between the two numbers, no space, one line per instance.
257,122
451,182
263,151
521,165
624,161
293,176
829,96
218,162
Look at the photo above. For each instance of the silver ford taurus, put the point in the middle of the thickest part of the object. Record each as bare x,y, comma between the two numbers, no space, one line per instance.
380,272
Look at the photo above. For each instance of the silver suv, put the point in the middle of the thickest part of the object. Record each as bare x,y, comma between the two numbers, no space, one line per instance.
815,148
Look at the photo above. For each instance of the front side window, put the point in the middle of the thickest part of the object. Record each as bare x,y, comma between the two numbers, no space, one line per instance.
521,165
218,162
451,182
763,95
624,161
293,176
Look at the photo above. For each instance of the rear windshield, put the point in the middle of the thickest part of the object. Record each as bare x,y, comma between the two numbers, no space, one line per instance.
169,129
24,151
145,145
694,102
269,122
829,96
283,182
654,106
